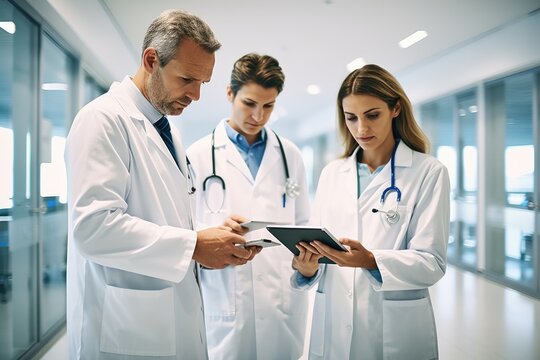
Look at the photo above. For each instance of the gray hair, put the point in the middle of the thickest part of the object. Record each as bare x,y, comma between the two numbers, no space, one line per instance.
171,27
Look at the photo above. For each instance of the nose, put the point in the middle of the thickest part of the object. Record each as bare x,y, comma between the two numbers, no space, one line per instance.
194,92
361,126
257,114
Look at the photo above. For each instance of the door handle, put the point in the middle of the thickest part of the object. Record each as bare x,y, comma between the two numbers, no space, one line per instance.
39,210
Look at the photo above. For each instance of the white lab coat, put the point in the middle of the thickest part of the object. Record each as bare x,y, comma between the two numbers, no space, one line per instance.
251,311
354,314
132,289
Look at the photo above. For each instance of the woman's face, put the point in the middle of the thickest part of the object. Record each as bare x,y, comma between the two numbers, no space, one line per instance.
251,109
369,120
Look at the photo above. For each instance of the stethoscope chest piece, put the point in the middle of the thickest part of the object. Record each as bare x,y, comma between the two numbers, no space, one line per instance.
392,216
292,188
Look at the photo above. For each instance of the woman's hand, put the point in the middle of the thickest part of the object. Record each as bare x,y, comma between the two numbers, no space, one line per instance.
356,256
307,262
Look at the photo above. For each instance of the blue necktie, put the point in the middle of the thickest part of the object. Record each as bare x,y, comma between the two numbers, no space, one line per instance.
164,130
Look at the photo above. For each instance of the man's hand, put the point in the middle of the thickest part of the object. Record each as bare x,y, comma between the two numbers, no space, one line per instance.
357,256
216,248
234,221
307,262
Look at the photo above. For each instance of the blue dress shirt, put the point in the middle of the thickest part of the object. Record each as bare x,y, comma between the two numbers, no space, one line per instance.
252,154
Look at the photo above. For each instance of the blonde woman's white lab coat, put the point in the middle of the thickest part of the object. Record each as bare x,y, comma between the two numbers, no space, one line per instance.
132,290
354,314
251,311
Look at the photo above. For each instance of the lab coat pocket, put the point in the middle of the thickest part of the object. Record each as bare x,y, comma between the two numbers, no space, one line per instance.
219,292
138,322
294,301
318,325
409,330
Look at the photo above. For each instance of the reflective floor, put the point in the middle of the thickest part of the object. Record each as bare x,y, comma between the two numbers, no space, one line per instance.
476,319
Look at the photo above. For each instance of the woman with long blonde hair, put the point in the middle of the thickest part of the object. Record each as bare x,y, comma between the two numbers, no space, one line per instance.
388,203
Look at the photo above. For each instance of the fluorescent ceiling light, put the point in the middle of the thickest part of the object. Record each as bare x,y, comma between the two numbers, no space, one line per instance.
356,64
412,39
473,109
313,89
8,26
54,86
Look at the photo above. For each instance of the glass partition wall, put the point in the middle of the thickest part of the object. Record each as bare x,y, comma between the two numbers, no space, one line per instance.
57,93
510,213
39,92
19,199
511,226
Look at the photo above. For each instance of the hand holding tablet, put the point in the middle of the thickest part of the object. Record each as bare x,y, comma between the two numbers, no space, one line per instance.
292,235
264,243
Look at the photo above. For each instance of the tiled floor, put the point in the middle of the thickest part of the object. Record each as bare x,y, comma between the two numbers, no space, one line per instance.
476,319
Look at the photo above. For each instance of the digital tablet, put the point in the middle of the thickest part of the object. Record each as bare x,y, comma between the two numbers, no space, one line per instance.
259,242
291,235
256,225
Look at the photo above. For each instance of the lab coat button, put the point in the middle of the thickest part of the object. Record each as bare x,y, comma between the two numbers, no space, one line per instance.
349,293
259,277
348,327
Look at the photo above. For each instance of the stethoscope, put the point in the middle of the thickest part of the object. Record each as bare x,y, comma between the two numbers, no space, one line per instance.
392,216
292,188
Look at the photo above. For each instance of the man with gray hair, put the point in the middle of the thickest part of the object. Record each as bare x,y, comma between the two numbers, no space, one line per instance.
132,251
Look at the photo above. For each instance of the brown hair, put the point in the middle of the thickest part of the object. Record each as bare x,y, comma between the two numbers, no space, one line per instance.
263,70
375,81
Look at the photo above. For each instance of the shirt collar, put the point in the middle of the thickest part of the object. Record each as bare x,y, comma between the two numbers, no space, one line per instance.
240,140
363,170
141,102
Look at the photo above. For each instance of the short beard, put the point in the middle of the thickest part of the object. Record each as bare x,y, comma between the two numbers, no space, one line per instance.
156,93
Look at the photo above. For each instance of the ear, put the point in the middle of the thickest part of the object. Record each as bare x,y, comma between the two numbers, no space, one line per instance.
230,94
150,60
397,110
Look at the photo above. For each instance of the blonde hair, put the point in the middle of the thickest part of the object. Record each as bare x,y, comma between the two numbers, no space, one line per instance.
375,81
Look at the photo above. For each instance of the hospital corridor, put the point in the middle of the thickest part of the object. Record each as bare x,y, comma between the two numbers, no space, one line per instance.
310,179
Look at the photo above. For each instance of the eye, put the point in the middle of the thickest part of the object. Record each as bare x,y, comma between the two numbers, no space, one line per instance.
372,116
268,106
248,103
350,118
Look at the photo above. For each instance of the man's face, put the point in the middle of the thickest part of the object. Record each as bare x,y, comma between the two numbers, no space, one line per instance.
251,109
170,89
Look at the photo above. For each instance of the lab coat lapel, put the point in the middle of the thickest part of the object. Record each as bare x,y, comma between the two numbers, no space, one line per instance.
348,172
232,155
151,133
157,141
180,152
271,158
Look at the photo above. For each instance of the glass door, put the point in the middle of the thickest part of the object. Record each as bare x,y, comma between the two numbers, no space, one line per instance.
512,241
466,196
57,92
19,203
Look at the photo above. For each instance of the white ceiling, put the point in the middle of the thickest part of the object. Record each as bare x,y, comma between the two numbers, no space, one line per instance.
315,39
